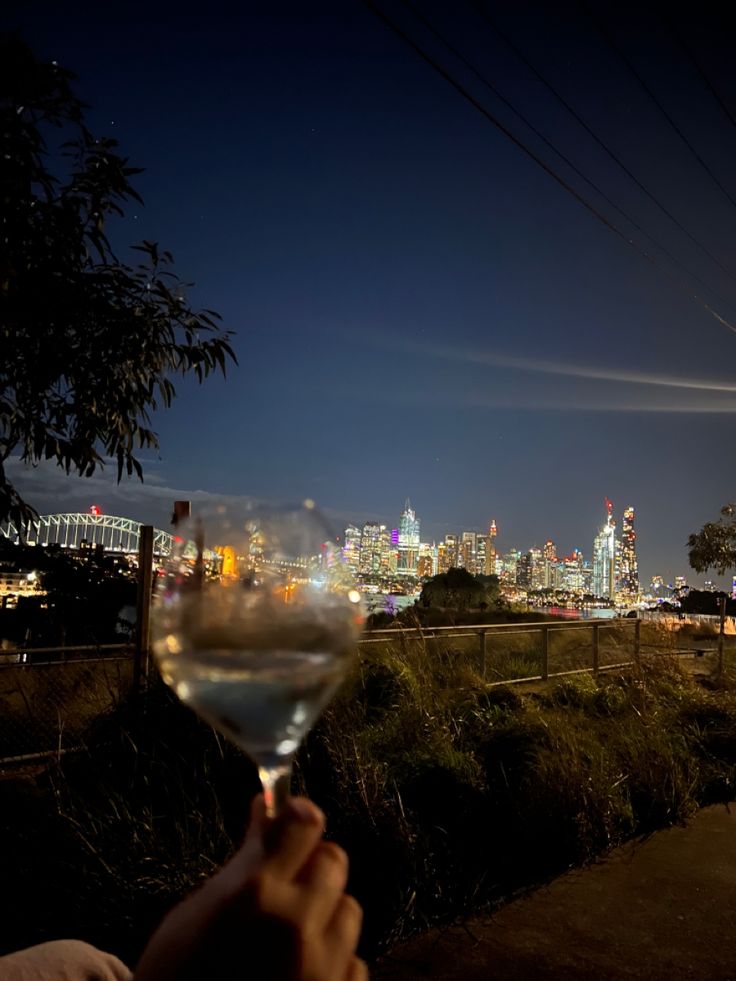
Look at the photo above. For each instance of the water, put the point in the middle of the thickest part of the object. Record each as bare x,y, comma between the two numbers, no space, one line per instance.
589,613
388,602
264,701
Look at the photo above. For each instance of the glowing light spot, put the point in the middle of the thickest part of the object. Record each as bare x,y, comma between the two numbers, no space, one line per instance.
309,504
183,690
173,644
287,746
354,596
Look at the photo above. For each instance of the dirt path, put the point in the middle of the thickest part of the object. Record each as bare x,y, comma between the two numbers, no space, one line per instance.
664,908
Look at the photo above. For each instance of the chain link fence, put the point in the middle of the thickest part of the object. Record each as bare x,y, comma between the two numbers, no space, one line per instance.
47,706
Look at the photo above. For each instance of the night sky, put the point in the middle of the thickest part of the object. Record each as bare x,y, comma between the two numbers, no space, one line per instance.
420,310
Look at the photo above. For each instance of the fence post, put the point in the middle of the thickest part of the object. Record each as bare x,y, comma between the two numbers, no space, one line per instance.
143,611
596,646
545,653
483,651
637,639
721,632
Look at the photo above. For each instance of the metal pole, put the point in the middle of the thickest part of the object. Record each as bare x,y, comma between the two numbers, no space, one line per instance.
483,651
721,633
143,617
637,639
545,653
596,646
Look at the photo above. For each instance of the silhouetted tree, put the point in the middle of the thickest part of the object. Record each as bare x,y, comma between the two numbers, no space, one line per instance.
457,589
88,343
714,546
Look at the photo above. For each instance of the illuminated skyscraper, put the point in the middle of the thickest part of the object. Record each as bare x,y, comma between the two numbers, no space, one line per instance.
572,576
481,556
509,565
372,545
604,557
628,584
426,561
467,557
536,568
408,541
351,548
525,570
549,578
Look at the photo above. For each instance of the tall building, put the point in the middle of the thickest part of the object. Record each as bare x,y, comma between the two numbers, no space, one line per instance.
536,559
524,571
351,548
447,553
550,576
604,557
628,583
481,556
572,575
427,561
467,557
408,541
509,565
372,545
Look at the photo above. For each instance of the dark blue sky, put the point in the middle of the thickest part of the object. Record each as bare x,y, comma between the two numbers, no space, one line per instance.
419,308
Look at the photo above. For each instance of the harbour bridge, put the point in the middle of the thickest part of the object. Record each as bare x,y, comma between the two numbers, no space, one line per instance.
115,534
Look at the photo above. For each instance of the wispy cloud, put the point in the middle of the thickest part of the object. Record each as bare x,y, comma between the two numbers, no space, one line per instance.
48,488
591,388
543,366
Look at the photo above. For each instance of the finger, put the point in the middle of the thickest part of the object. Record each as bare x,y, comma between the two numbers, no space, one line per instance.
322,880
326,868
357,970
343,931
250,853
292,838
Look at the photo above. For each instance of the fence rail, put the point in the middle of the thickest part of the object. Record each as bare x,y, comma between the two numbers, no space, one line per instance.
544,628
34,655
49,696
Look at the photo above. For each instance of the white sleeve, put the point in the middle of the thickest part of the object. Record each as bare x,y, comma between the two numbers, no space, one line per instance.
62,960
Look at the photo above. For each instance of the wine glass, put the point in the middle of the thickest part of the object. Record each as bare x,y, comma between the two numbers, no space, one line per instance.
255,624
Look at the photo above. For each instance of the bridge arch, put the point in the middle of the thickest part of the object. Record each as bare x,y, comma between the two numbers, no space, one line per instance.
114,533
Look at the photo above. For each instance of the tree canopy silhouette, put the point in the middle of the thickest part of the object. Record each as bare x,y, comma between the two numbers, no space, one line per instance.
714,546
457,589
89,343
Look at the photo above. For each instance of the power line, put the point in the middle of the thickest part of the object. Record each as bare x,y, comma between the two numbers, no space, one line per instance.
591,132
701,71
527,122
517,142
621,54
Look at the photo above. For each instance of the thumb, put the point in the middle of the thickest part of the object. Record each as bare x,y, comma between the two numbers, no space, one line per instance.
292,837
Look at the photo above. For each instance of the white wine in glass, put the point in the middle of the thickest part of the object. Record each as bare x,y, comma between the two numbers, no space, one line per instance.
255,624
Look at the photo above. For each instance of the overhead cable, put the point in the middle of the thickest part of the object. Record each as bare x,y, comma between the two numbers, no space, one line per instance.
525,149
621,54
591,132
701,72
527,122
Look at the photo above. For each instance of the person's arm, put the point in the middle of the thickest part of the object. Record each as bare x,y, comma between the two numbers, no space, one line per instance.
277,910
62,960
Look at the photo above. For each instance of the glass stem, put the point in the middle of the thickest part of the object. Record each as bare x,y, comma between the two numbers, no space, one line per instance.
276,781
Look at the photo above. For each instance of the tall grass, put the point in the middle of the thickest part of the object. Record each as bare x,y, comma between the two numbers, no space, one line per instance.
447,791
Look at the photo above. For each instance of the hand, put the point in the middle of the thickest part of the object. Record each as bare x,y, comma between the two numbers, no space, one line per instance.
277,911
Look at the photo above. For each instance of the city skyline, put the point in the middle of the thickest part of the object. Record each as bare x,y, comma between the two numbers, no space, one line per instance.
611,572
152,503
